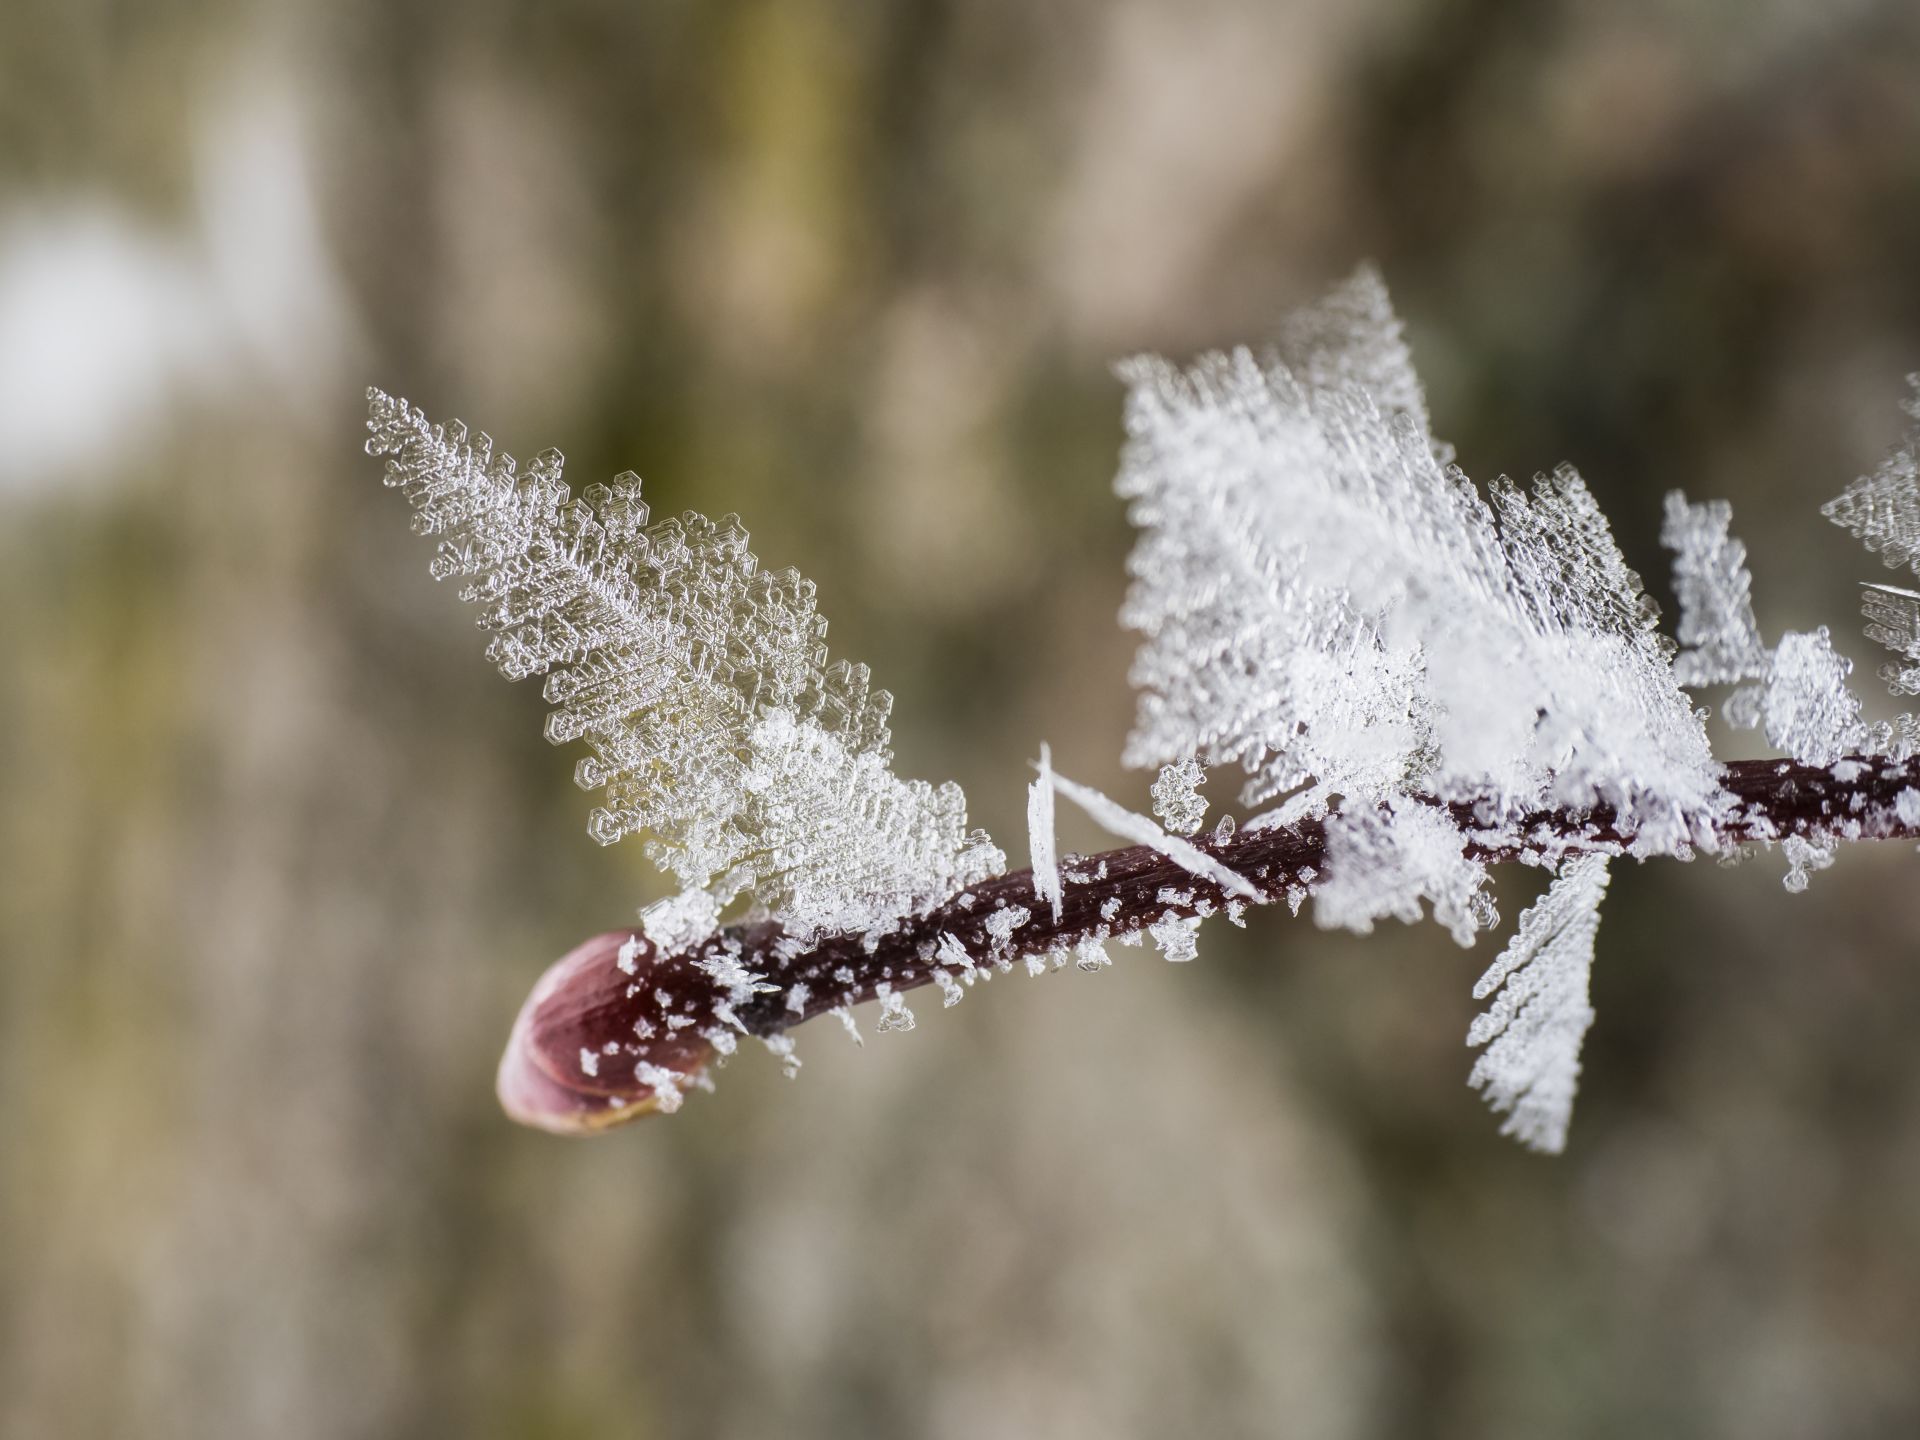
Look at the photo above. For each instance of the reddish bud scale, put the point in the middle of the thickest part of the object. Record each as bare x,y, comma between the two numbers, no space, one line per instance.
591,1021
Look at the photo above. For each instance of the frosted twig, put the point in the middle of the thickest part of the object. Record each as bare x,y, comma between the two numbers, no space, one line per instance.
588,1001
1419,676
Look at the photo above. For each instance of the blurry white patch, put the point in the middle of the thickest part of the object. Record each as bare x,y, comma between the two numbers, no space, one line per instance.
107,323
281,300
99,321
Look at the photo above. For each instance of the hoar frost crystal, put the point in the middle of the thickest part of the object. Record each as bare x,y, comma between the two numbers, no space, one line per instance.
1415,680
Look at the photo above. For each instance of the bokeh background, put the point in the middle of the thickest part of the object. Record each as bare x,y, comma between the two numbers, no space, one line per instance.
280,855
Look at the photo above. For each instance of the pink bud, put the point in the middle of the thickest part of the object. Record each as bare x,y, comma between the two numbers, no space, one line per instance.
594,1025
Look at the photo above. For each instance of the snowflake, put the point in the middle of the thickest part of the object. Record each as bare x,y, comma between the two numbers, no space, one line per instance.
1178,936
1804,857
1175,797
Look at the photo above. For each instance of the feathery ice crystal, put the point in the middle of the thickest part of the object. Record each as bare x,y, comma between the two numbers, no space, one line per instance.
698,680
1417,680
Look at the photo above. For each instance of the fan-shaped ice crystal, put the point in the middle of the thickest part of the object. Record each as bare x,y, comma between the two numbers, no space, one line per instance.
1893,618
1882,510
1719,637
699,681
1534,1027
1324,600
1808,708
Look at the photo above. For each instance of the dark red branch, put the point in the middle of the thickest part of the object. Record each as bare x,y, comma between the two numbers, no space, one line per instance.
591,1024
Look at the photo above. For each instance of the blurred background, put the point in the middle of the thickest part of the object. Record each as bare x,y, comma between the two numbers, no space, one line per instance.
280,855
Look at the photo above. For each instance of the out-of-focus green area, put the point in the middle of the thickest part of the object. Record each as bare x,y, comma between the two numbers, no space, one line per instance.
279,854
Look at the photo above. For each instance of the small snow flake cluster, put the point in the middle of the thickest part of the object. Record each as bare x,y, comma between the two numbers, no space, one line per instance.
680,922
1176,797
1804,856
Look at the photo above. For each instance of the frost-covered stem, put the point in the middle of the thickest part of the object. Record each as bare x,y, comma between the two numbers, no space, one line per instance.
571,1065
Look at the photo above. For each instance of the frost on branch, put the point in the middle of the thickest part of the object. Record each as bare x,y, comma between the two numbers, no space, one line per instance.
1331,605
1116,819
1328,602
1534,1027
1418,679
1803,700
699,681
